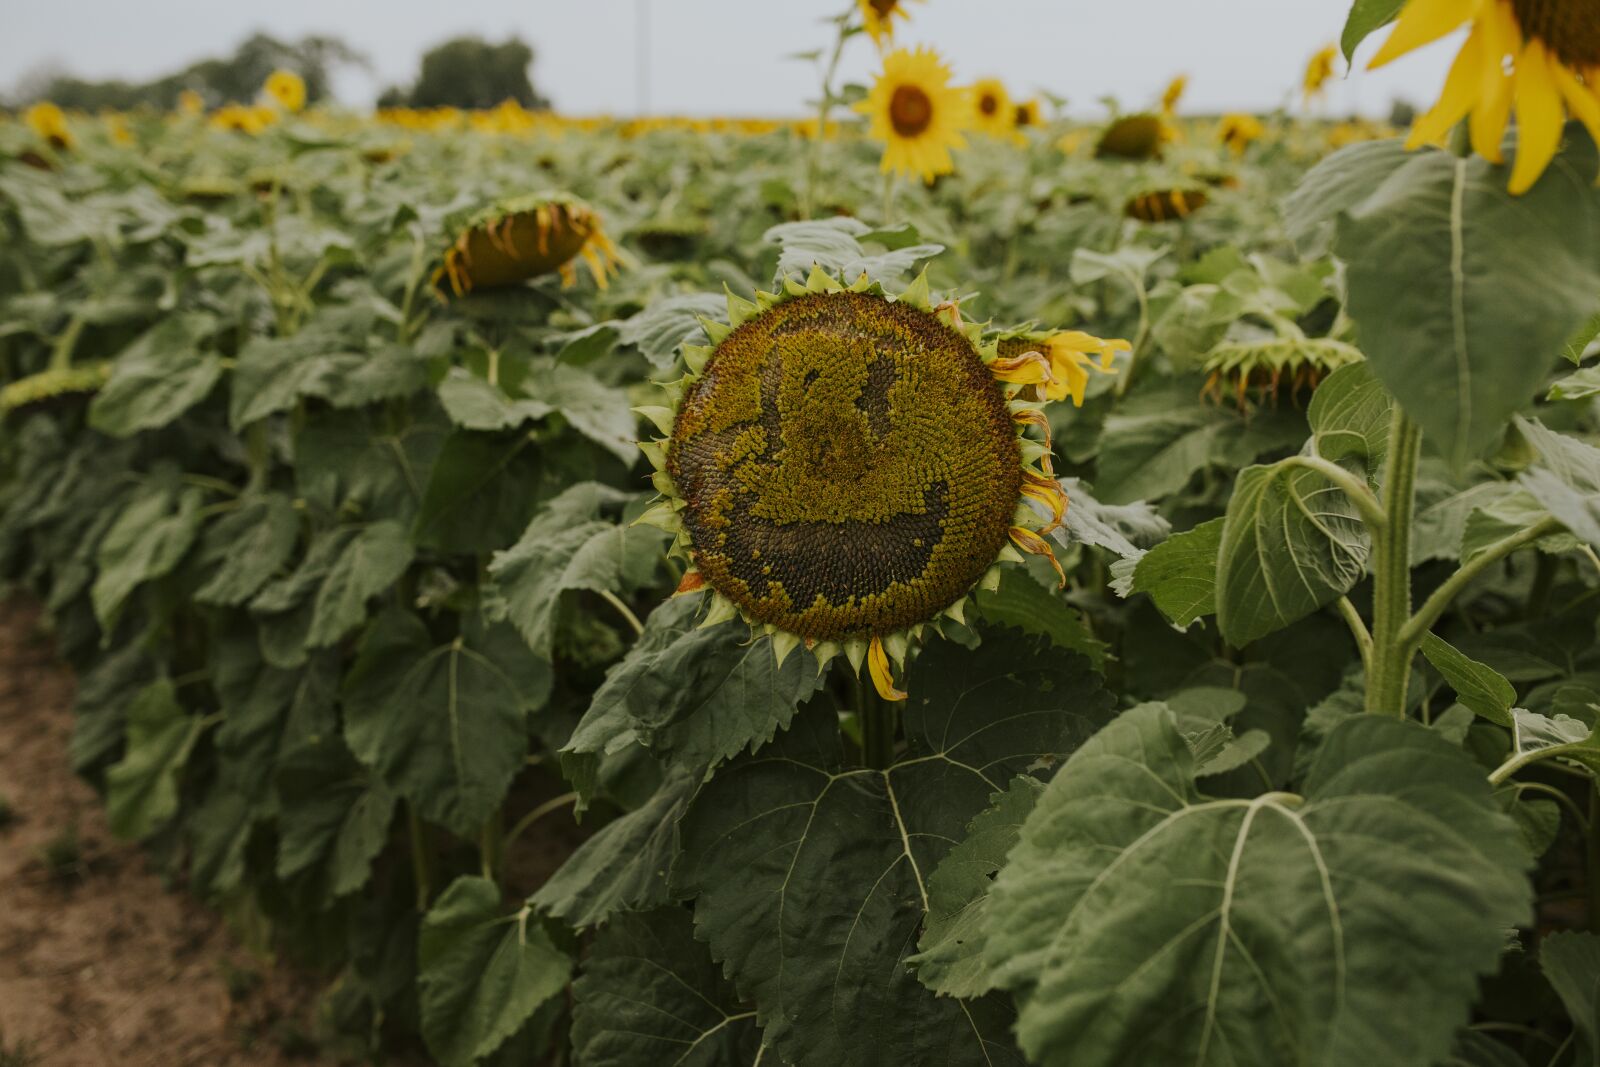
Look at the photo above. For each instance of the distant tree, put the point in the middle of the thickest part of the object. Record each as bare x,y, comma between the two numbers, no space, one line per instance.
469,72
1402,113
235,78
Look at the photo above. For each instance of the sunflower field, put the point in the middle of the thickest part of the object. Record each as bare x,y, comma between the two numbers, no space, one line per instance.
929,583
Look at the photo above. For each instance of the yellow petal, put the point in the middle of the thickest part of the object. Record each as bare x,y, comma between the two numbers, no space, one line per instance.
1581,100
1497,29
1029,541
1461,88
1422,22
1048,492
1539,117
1028,368
878,668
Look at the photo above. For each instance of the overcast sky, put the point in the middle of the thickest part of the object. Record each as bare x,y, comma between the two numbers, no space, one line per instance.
728,56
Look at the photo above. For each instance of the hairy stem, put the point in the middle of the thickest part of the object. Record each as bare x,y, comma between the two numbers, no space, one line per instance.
1389,667
1436,604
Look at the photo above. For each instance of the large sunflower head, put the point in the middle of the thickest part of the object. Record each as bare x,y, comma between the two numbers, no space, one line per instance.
1541,57
877,17
843,468
917,113
522,237
992,110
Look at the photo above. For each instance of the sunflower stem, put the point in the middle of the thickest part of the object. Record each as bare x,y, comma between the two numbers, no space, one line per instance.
889,185
808,204
1389,669
877,725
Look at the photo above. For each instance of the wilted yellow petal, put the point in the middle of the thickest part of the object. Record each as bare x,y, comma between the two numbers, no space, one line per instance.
878,668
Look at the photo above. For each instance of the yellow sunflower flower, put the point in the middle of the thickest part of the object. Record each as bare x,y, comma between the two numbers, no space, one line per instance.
843,468
1173,94
917,113
991,108
1319,69
191,103
286,89
1541,57
49,123
1066,368
878,17
1237,130
1026,115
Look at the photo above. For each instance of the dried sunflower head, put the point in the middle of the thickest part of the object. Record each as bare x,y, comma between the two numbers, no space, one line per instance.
1273,372
1165,205
842,468
1140,136
523,237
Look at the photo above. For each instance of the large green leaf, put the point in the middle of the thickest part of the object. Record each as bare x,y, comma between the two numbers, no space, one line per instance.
1571,961
1349,416
1156,440
697,695
810,875
597,411
650,994
1477,686
481,490
157,378
1180,574
372,561
333,818
1566,479
151,534
567,546
1291,542
142,788
623,867
1140,922
251,544
1463,293
443,725
1022,602
660,328
480,972
951,958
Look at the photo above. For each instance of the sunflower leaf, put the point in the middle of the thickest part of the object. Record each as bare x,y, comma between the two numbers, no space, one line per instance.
816,930
1140,921
1366,16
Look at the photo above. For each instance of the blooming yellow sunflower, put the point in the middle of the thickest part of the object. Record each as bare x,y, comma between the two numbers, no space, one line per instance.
286,89
1319,69
917,113
842,468
49,124
878,16
1238,130
522,237
1541,57
1173,94
992,111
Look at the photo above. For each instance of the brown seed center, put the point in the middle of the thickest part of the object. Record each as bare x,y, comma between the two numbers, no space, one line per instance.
1023,117
910,111
884,7
988,104
1569,28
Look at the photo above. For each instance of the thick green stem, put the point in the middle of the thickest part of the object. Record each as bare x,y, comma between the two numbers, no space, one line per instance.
489,844
1592,841
808,205
1389,669
877,726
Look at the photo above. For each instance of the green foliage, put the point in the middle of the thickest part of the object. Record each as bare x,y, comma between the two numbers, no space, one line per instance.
1186,915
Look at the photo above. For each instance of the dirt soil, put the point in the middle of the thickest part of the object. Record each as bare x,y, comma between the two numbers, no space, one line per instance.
101,963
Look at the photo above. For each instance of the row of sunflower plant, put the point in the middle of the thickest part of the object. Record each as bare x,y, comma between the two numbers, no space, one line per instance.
1129,597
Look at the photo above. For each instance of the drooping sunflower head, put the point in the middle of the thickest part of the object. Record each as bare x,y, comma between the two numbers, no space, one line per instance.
877,16
1273,372
1541,57
1319,68
286,89
49,124
1238,130
523,237
842,468
1166,204
1140,136
916,112
992,111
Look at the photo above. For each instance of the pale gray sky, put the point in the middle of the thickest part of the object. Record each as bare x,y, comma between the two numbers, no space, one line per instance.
727,56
